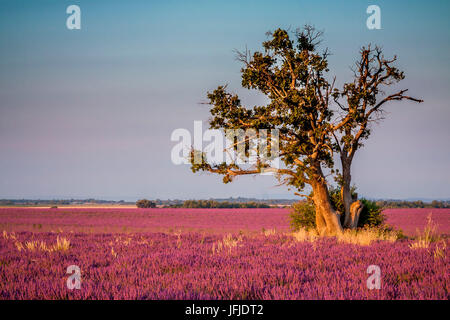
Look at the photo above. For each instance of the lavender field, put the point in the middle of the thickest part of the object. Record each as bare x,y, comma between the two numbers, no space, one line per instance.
143,220
207,254
412,220
211,221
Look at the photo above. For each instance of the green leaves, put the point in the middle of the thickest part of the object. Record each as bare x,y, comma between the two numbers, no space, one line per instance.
289,71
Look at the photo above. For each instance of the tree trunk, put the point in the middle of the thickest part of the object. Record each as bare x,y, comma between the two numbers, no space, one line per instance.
327,220
355,210
346,193
352,207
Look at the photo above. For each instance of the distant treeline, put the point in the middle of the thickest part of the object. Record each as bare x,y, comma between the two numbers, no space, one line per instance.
217,204
176,203
412,204
214,203
30,202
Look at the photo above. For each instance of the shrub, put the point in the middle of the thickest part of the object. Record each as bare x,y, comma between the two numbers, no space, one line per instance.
303,213
371,215
144,203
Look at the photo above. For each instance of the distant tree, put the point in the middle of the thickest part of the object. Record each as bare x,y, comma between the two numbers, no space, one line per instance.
437,204
144,203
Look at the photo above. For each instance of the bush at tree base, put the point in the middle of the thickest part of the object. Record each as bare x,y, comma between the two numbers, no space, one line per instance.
303,213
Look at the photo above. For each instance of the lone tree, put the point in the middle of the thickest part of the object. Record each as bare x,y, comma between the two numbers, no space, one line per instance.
144,203
291,74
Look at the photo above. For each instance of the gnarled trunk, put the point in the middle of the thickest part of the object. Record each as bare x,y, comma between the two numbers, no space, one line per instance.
346,193
355,210
327,220
352,206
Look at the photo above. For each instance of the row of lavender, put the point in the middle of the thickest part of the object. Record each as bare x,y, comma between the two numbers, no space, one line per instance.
106,220
199,266
211,221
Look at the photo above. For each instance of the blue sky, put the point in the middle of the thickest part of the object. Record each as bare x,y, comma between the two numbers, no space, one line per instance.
89,113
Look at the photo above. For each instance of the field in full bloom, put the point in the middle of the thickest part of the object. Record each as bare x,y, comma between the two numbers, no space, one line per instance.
100,220
413,220
211,221
203,254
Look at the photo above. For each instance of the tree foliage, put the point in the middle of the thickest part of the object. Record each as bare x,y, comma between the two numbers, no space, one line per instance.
290,72
144,203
